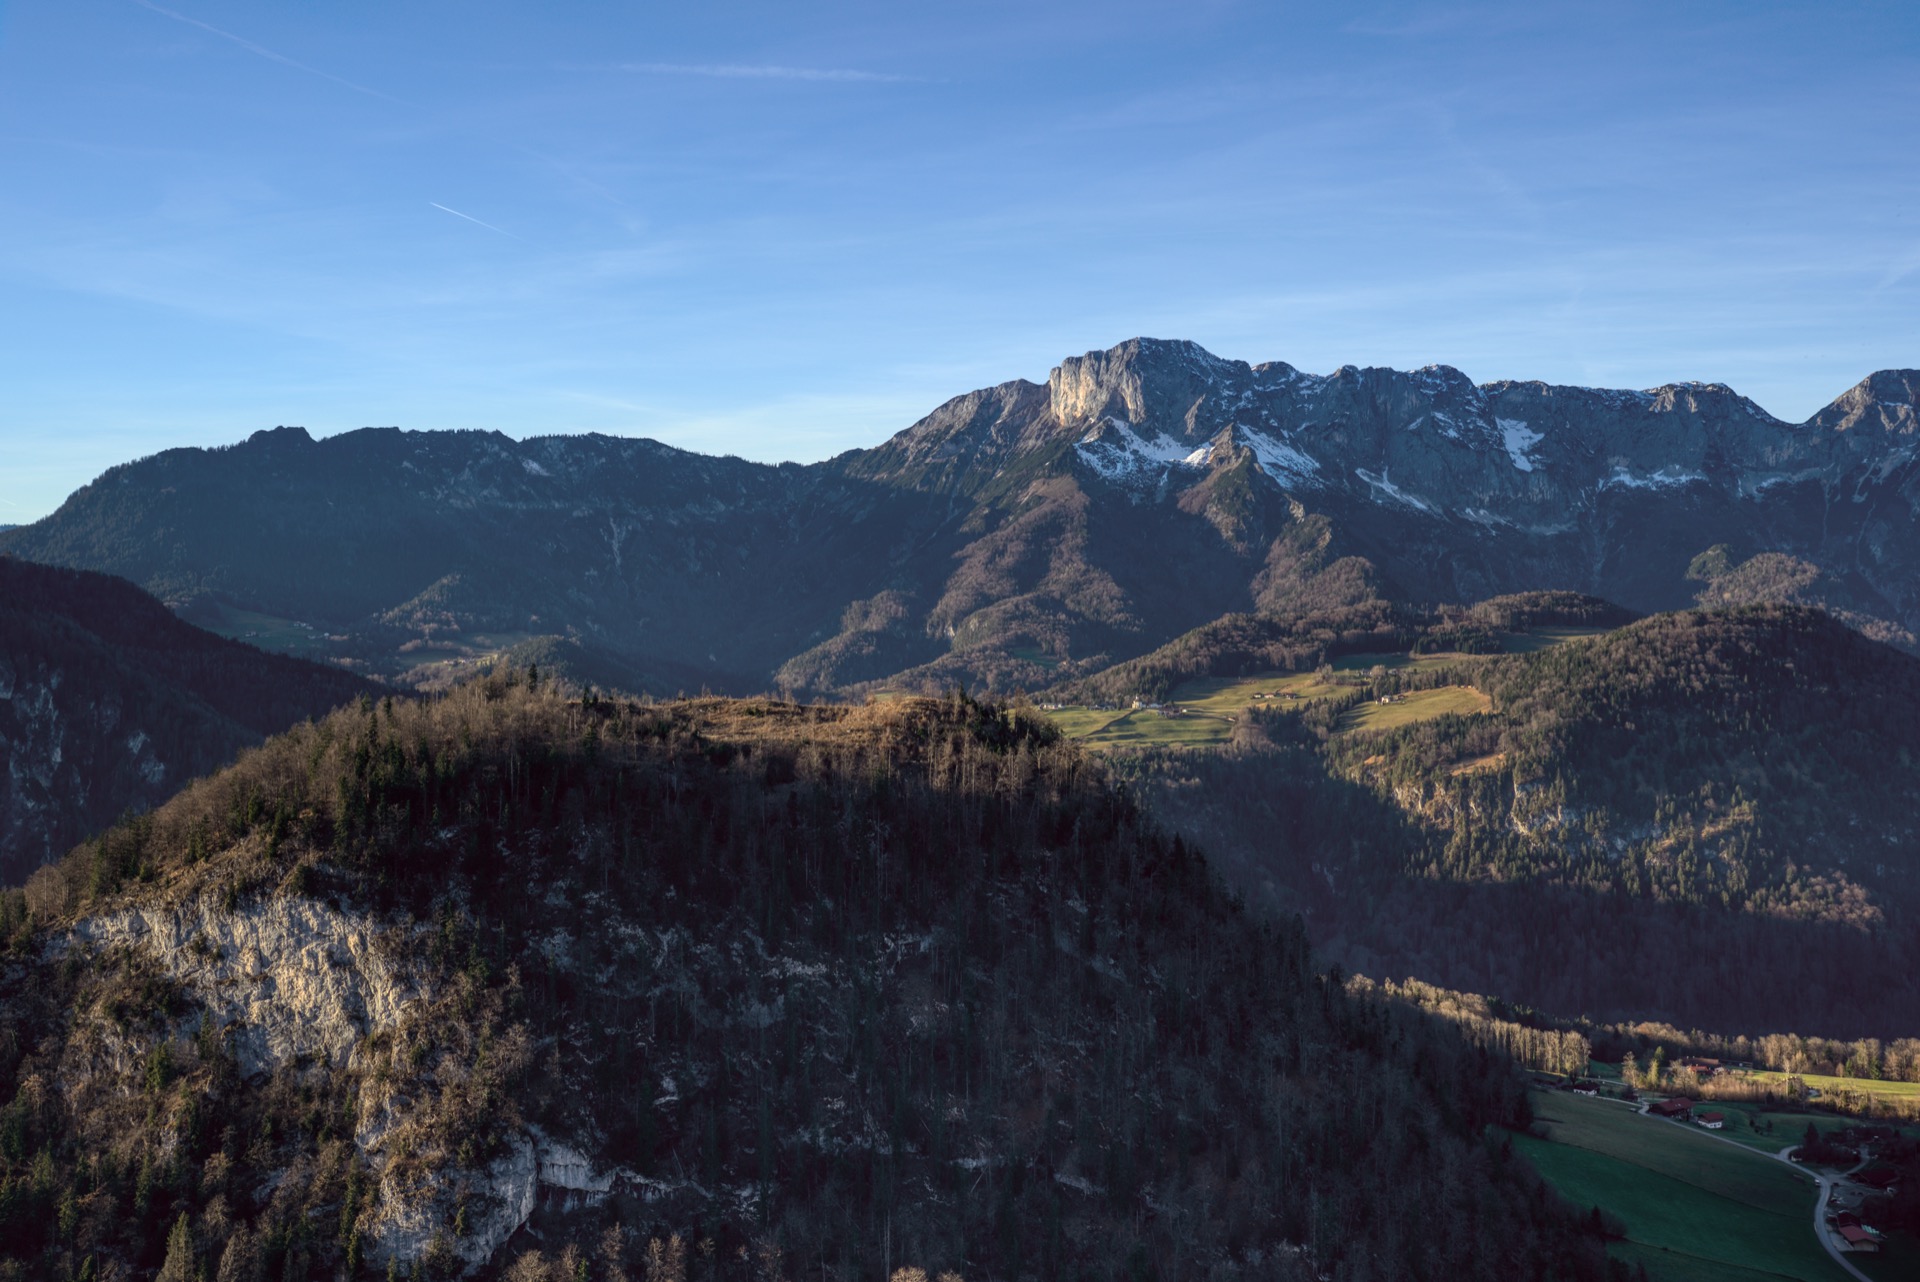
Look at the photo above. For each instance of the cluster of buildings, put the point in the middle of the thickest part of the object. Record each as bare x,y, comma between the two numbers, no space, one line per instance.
1849,1233
1851,1236
1681,1109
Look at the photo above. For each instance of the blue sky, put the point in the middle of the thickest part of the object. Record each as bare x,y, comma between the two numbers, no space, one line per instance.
781,230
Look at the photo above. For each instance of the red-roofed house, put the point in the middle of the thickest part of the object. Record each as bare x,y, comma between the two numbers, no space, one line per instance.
1858,1239
1677,1107
1712,1121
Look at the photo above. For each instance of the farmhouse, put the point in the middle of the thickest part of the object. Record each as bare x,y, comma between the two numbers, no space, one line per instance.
1712,1121
1853,1238
1679,1108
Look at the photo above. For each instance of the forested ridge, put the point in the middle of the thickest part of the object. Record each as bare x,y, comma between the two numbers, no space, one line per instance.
1705,818
1702,757
817,991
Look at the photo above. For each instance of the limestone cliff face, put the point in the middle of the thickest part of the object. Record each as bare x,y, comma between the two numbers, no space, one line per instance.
297,985
294,979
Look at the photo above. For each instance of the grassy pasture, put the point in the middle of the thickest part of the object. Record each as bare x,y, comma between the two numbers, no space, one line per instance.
1544,638
268,632
1833,1088
1081,723
1679,1231
1211,701
1747,1123
1230,696
1144,727
1666,1265
1694,1208
1418,705
1677,1149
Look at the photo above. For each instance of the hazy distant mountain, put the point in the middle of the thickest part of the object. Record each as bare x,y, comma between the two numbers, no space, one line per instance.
109,704
1024,534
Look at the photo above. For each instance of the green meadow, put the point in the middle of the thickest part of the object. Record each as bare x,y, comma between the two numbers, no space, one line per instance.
1416,705
1544,638
1209,706
1834,1089
1768,1130
1693,1208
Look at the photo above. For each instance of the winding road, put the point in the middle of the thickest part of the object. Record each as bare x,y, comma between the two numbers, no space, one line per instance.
1826,1184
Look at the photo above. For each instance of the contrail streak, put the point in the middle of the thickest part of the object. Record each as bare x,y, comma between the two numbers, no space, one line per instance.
264,52
470,218
736,71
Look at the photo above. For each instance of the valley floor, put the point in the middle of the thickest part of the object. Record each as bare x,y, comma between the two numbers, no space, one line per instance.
1696,1208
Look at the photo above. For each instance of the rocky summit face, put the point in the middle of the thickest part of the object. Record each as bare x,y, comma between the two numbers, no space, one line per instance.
1027,534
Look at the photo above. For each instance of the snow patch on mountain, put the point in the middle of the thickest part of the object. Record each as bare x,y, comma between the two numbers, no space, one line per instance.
1754,485
1118,453
1278,459
1667,478
1519,440
1380,484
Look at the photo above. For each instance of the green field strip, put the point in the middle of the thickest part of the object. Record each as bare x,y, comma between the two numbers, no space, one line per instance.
1680,1216
1666,1265
1668,1148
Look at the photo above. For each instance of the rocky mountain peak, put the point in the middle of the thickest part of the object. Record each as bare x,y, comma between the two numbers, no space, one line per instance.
1715,401
1884,400
280,437
1161,386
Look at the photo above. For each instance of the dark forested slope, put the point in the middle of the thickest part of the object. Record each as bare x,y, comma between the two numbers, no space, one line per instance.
782,991
108,703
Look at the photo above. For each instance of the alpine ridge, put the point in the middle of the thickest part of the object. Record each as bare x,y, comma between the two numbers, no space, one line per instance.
1024,535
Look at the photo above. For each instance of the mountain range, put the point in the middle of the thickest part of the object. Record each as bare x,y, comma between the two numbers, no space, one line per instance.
1605,703
1022,535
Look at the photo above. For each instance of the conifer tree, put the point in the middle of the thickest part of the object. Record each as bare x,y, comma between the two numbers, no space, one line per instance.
179,1262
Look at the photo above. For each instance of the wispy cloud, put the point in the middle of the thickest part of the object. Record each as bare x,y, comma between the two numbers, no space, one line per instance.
264,52
1901,269
746,71
470,218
